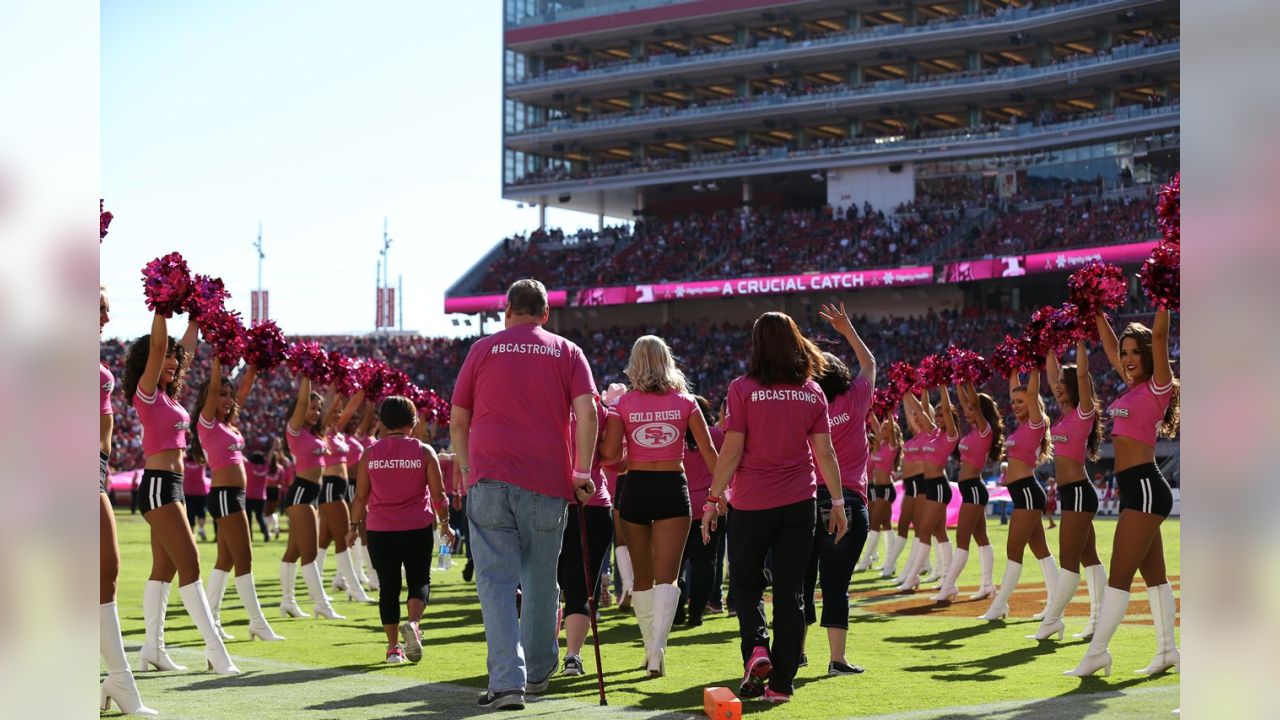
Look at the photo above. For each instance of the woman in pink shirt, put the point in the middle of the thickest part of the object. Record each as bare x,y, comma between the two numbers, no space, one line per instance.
885,460
911,512
940,438
654,415
1077,437
219,445
983,444
195,490
255,491
153,379
1027,447
777,428
1148,410
335,513
399,497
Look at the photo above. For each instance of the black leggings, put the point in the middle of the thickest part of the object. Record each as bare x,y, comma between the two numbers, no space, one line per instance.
702,571
256,508
569,572
389,550
835,559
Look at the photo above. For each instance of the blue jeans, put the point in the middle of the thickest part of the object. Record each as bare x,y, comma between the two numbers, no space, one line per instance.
515,540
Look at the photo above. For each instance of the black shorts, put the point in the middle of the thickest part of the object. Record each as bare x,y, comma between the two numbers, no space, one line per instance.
911,485
1144,489
651,495
1027,494
334,490
273,493
351,493
937,489
887,493
973,492
195,505
303,492
158,487
224,501
1078,497
102,472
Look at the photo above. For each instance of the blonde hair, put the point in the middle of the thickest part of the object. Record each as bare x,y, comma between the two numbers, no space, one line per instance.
652,368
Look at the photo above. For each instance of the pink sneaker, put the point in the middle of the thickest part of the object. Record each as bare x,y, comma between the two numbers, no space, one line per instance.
775,697
759,664
395,655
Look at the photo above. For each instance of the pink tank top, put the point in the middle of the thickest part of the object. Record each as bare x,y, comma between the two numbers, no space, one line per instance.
655,424
975,446
938,446
355,449
308,450
1024,443
107,383
222,444
1071,435
399,497
164,422
337,450
1137,413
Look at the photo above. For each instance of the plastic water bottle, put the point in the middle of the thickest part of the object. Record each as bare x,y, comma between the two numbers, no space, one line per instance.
445,562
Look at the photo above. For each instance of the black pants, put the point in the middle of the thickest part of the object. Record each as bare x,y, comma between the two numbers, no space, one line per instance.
835,560
569,572
458,521
697,580
722,564
787,532
195,508
257,508
388,551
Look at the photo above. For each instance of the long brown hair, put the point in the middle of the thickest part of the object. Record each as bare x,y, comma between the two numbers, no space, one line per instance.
897,442
203,394
991,412
780,354
315,427
1141,334
1072,382
135,363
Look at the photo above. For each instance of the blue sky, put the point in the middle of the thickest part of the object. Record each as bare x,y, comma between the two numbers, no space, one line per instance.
317,119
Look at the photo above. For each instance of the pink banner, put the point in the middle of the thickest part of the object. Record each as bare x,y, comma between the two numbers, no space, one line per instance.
496,303
1069,260
985,269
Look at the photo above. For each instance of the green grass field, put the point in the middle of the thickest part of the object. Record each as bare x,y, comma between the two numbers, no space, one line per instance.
922,660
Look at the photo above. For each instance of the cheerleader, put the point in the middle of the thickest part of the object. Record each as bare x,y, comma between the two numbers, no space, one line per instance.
884,462
621,553
119,684
307,445
153,379
1077,436
1150,408
335,513
984,443
654,415
1027,448
911,511
777,428
219,444
939,443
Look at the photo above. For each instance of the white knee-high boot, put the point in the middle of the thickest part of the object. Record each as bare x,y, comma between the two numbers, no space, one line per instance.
869,551
346,568
949,591
626,573
197,605
1114,604
155,604
911,577
1000,606
1052,624
987,556
371,578
912,566
215,590
359,558
1049,571
119,685
258,626
945,553
288,602
896,544
642,601
665,599
315,588
1095,577
1164,617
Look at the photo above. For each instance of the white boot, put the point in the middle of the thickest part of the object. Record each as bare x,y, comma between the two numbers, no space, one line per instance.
868,552
358,560
626,573
912,566
1114,603
987,556
346,568
288,603
927,568
1060,598
1000,606
1164,617
258,627
944,562
216,588
896,543
642,601
1095,577
1048,571
155,603
370,579
315,588
119,685
215,653
339,582
949,591
665,599
912,575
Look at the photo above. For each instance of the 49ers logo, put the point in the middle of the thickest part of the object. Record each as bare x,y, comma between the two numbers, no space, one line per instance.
655,435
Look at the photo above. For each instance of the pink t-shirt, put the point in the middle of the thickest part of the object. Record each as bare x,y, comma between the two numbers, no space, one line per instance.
937,447
777,466
193,480
1071,434
655,424
308,450
255,487
399,496
699,475
337,450
602,496
1137,413
222,444
519,385
164,422
848,414
975,446
447,479
1024,443
106,383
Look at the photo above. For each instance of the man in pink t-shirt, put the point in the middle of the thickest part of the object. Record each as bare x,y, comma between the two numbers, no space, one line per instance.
511,437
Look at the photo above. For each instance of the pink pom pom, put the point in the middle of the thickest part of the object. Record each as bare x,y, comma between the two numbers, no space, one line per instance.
308,359
902,378
1011,355
883,404
225,332
166,283
1169,211
346,373
1051,330
1097,287
1161,276
967,366
265,346
933,372
372,377
394,382
208,295
104,221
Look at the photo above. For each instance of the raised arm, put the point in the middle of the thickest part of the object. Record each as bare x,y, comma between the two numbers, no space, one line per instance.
1015,382
916,409
702,437
1033,396
948,417
190,337
209,411
1110,344
158,348
1162,373
246,384
839,320
1087,402
972,393
366,423
353,404
1052,368
299,415
330,407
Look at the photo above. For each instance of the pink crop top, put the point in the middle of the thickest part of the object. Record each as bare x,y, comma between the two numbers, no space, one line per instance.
354,450
654,425
938,446
164,422
912,450
882,461
1024,443
1071,434
336,454
1138,413
308,450
975,446
108,383
222,444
